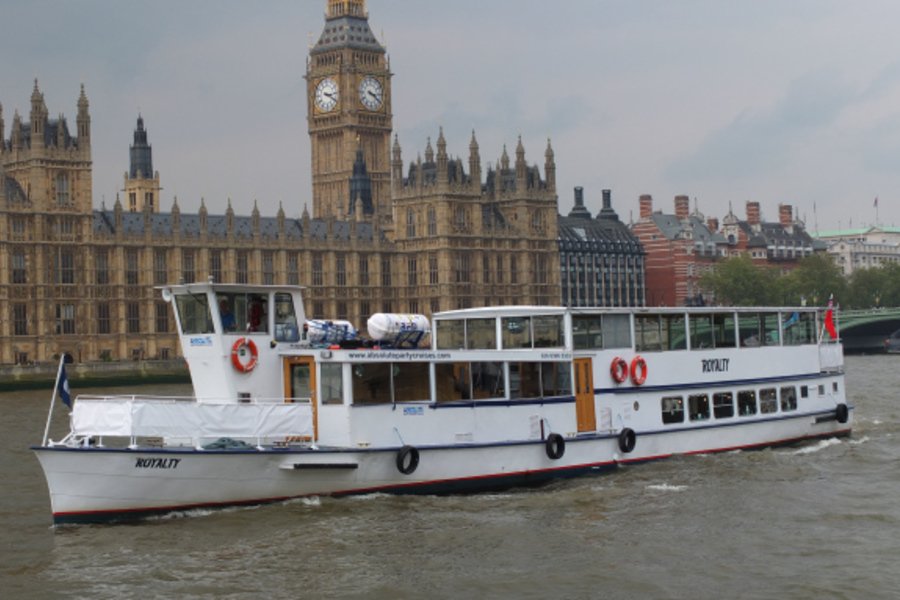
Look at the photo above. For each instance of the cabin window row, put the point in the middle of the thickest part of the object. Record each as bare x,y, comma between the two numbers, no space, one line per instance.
542,331
722,405
385,383
723,330
697,331
239,312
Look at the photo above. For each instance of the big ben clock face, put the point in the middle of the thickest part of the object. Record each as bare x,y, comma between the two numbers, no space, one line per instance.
371,93
327,95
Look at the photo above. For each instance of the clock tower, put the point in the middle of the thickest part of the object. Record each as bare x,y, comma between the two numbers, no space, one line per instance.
348,82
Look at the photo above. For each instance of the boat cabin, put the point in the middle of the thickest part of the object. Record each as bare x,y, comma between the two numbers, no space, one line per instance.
254,345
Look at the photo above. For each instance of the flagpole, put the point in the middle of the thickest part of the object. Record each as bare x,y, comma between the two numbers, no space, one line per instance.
62,360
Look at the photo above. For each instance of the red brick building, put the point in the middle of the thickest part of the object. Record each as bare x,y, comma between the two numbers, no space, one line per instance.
681,247
779,244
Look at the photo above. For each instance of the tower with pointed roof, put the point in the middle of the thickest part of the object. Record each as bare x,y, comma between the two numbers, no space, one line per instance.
141,181
45,210
471,241
348,82
48,162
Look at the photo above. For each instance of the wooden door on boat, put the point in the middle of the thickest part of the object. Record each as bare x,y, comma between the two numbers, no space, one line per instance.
300,385
584,395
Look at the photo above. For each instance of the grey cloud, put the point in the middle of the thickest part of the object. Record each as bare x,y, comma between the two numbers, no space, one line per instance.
761,142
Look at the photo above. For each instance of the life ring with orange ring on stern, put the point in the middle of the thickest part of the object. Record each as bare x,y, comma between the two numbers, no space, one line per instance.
638,370
618,369
237,354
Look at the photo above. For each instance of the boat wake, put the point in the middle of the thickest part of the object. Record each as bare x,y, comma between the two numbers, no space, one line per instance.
369,497
821,445
665,487
305,501
201,512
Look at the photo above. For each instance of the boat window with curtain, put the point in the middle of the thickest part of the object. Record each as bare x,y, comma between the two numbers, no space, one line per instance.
616,331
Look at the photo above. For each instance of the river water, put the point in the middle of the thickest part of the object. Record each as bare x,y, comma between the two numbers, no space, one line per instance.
815,521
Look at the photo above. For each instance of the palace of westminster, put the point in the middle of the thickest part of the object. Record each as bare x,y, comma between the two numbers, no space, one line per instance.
437,234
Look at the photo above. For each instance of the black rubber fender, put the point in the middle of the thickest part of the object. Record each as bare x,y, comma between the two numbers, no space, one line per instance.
627,440
407,459
555,446
842,413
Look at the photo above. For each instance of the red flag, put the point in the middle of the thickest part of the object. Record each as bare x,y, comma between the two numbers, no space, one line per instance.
829,320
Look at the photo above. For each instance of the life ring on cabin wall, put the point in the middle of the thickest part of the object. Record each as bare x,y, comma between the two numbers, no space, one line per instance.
237,354
555,446
627,440
407,459
638,370
618,369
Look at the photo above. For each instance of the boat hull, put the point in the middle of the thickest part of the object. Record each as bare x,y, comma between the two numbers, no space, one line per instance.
90,484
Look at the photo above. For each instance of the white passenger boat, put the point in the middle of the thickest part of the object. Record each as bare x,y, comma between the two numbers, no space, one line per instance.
478,399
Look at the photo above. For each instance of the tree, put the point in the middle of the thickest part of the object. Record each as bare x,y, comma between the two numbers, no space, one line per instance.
875,286
815,279
738,282
865,288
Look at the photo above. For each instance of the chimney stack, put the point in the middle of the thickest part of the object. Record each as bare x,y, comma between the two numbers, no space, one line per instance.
646,206
712,224
579,210
753,213
785,215
682,207
607,211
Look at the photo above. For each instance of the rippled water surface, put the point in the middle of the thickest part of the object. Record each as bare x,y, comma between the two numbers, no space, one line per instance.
815,521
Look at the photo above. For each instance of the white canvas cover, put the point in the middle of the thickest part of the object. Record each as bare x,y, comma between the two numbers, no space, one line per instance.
108,417
136,417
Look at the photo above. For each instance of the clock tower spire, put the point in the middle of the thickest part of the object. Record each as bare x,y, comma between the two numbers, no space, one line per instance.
348,83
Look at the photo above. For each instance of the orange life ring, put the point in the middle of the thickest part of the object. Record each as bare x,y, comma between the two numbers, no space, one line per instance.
618,369
237,353
638,370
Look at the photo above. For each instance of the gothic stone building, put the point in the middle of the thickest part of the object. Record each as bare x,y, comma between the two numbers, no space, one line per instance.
80,280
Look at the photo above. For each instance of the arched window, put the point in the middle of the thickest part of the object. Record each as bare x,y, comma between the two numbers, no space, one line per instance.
410,223
62,189
432,221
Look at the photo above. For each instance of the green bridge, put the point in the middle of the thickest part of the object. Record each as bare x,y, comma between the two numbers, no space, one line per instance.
866,330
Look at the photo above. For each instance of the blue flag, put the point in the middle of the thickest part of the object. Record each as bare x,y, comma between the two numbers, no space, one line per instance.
63,386
793,320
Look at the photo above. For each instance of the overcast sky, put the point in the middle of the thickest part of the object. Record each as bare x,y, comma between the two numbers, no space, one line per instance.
779,102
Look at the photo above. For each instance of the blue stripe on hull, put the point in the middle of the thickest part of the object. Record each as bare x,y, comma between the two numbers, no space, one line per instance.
715,385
